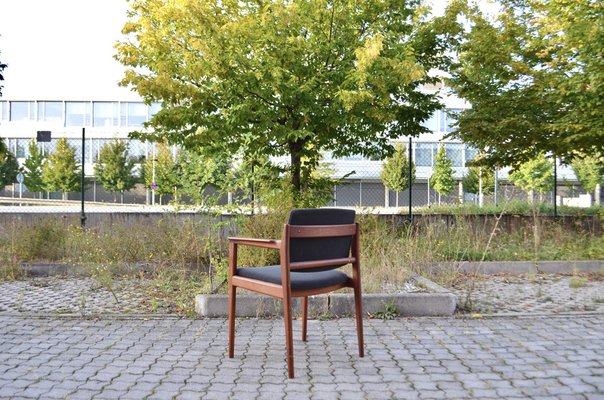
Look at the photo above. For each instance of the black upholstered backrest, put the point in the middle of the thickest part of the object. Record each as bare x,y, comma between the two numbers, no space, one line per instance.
312,249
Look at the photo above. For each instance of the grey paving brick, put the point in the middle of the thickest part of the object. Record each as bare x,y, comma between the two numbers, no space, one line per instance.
417,358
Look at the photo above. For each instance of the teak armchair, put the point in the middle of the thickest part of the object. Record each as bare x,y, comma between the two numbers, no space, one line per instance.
314,244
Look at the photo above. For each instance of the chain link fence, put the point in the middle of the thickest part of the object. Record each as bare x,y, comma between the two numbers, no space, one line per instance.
361,186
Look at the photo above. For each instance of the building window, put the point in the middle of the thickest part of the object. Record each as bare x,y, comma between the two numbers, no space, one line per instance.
137,150
77,113
453,151
22,110
105,114
471,153
448,119
137,114
3,110
423,154
50,111
432,122
154,109
22,148
76,145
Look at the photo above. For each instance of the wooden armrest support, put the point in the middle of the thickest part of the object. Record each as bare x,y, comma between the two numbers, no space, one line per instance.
268,243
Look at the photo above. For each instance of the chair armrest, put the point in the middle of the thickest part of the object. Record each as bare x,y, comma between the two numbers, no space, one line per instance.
267,243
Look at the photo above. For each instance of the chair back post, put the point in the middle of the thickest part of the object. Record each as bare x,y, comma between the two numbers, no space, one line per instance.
232,261
355,250
284,259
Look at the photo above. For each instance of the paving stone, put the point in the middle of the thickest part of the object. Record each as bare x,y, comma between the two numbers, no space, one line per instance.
474,345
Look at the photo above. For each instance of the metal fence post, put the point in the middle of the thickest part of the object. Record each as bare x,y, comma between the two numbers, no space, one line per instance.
410,182
82,214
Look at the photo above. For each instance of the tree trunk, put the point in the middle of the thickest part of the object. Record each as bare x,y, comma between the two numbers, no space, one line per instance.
597,194
296,164
386,197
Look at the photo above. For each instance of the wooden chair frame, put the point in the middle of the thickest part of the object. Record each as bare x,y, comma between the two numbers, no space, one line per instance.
284,291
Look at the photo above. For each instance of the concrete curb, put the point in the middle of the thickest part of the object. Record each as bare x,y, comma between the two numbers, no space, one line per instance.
523,267
437,302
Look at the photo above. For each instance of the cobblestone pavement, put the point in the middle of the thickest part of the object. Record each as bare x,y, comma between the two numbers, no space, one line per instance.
554,357
82,296
536,293
541,293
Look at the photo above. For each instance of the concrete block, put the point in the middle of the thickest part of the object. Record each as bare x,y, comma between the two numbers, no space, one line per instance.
217,306
436,301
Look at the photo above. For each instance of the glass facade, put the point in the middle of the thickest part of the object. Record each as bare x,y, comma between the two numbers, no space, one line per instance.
22,110
432,122
448,119
50,111
77,113
4,110
80,113
454,153
105,114
471,153
423,154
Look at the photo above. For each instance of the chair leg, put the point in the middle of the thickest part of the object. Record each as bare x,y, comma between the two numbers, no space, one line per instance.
358,305
232,302
289,342
304,316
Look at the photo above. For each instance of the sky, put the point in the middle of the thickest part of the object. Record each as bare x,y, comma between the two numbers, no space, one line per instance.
63,49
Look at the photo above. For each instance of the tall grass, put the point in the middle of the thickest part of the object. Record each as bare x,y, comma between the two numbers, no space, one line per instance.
177,250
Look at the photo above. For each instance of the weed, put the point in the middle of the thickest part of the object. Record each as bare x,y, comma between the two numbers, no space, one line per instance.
577,282
389,312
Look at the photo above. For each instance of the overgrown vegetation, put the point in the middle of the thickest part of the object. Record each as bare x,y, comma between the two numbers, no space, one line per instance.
180,258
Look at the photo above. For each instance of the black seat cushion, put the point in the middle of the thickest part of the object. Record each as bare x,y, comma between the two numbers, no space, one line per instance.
299,280
311,249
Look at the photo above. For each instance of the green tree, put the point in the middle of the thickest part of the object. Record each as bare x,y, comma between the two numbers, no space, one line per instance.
60,171
198,171
32,169
442,179
114,169
395,171
540,88
9,167
471,181
161,170
590,173
285,78
536,175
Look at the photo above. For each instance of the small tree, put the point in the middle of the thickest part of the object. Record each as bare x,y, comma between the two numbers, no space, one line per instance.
478,178
442,178
590,173
160,169
60,171
32,169
114,169
536,175
9,167
395,171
